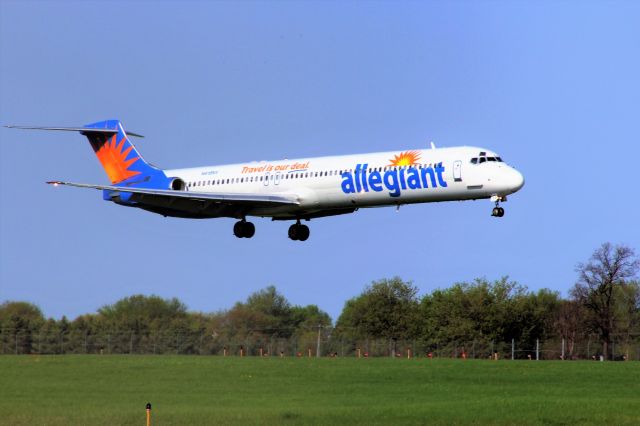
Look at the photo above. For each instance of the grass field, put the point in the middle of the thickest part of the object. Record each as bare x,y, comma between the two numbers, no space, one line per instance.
192,390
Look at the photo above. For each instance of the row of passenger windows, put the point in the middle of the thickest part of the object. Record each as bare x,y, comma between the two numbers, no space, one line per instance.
287,176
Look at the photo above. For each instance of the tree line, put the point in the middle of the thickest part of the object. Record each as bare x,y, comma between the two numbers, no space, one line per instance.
388,317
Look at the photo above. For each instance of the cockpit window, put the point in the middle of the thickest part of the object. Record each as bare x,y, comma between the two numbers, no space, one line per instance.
483,159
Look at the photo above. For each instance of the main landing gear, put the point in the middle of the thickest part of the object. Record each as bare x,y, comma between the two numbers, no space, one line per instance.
298,232
244,229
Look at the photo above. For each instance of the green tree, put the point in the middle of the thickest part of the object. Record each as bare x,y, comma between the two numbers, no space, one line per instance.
569,323
484,312
148,323
609,268
627,313
386,309
19,323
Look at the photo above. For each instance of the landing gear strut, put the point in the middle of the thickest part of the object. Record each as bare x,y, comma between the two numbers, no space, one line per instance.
299,232
244,229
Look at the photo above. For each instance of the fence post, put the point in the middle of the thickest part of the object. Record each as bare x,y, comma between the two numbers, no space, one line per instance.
613,350
537,350
148,414
513,349
318,341
562,354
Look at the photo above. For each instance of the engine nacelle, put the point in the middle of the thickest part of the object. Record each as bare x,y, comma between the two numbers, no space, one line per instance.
177,184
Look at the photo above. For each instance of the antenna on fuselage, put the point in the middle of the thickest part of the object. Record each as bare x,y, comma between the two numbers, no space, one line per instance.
433,145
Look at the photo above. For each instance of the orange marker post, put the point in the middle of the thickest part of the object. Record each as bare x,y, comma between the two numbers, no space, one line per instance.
148,414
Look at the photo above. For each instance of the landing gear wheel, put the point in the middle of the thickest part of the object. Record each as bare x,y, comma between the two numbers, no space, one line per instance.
293,232
495,212
299,232
249,229
244,229
304,232
501,212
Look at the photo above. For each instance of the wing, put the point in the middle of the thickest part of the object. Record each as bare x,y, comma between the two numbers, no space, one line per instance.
192,204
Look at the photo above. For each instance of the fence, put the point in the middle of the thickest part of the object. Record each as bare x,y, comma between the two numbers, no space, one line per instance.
310,344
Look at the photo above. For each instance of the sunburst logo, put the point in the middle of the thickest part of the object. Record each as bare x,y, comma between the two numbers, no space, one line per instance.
113,157
407,158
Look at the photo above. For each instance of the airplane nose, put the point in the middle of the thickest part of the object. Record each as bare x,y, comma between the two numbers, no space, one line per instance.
516,180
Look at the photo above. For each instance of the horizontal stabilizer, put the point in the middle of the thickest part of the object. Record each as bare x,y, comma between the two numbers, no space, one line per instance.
83,130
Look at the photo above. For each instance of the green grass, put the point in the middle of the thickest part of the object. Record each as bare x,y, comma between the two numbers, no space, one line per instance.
192,390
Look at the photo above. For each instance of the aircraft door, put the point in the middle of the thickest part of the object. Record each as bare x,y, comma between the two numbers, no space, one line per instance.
276,180
457,171
266,179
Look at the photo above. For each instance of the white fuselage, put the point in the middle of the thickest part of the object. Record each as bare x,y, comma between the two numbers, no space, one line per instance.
342,183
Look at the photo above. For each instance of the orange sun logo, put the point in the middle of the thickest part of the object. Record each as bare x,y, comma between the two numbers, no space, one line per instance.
407,158
114,160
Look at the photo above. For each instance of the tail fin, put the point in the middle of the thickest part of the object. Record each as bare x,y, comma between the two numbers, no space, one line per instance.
122,162
118,156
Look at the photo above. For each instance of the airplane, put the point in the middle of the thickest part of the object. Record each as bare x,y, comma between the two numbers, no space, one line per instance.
294,190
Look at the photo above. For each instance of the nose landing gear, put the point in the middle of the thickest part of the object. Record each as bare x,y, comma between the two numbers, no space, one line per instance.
299,232
497,210
244,229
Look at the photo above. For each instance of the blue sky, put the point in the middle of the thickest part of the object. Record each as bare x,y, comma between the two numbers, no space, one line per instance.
553,87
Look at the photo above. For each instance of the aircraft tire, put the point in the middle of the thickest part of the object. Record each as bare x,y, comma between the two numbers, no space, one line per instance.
238,229
243,229
303,232
293,232
249,230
